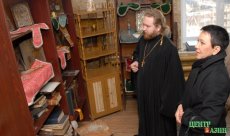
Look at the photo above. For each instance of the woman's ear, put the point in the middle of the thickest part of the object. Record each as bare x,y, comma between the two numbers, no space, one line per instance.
216,50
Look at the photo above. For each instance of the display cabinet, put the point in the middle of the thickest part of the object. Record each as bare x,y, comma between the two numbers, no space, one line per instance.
65,37
15,110
98,50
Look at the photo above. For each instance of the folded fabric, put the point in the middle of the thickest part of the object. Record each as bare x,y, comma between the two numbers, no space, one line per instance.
155,5
61,55
122,9
134,6
36,33
35,78
55,23
165,8
62,19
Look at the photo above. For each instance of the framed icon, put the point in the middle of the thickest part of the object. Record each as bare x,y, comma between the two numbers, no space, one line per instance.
139,19
21,14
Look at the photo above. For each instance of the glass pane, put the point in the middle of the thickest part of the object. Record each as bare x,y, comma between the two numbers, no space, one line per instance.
199,13
227,15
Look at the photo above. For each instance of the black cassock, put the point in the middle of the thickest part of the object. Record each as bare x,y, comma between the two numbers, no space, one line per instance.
160,84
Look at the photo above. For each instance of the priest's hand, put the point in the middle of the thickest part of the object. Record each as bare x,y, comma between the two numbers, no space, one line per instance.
134,66
179,113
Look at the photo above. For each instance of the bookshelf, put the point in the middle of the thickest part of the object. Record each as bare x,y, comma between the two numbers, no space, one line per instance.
98,50
75,61
15,110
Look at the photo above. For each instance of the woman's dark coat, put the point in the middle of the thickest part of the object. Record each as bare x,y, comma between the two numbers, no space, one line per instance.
207,90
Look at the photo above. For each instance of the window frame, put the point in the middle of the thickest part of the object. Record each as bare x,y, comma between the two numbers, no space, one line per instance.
219,20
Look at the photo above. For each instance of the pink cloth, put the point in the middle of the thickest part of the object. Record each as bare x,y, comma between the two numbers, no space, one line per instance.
35,78
61,55
36,33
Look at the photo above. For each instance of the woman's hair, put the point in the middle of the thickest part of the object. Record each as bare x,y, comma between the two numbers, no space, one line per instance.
159,20
219,35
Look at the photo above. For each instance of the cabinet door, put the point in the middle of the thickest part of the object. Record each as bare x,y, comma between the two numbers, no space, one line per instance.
104,95
113,94
96,97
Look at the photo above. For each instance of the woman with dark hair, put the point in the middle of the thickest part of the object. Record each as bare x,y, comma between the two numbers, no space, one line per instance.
202,108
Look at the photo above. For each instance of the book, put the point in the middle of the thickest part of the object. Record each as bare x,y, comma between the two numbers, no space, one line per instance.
55,98
56,116
58,129
38,97
70,72
46,132
69,96
60,125
49,87
40,102
63,131
37,112
40,113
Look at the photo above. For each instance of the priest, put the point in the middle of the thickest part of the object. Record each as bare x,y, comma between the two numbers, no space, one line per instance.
160,79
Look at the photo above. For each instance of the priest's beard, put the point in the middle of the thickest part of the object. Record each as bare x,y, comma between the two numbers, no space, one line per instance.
148,36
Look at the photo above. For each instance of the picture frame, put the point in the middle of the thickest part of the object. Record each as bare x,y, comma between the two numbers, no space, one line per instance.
139,19
29,53
22,15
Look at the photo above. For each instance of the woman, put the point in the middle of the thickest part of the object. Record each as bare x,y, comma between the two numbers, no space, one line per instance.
202,108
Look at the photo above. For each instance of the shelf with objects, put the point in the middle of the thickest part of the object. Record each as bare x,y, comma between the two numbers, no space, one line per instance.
62,19
30,66
130,14
98,50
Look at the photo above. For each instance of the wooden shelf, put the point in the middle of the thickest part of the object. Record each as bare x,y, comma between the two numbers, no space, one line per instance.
96,33
74,62
98,72
97,44
85,12
187,57
15,37
97,54
187,68
69,79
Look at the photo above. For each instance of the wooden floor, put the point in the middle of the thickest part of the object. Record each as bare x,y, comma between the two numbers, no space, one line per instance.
122,123
125,123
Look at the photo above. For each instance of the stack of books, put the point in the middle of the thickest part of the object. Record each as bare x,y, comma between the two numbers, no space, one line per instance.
39,106
57,124
54,98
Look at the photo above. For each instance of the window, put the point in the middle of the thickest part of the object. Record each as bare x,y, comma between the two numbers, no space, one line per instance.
198,13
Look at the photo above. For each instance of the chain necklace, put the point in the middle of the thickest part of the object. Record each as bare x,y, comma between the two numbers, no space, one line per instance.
147,54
